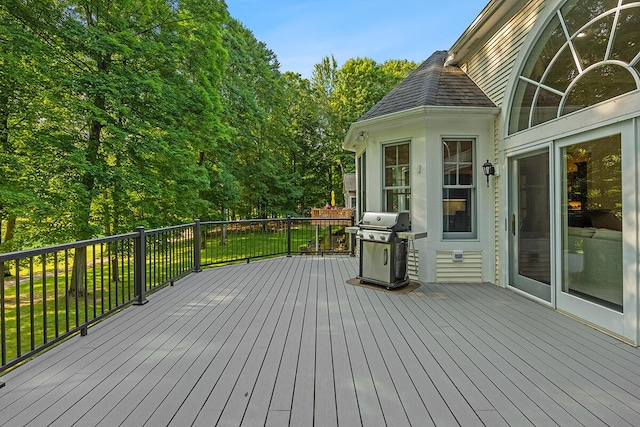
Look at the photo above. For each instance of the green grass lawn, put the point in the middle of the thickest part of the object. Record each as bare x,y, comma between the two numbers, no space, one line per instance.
44,299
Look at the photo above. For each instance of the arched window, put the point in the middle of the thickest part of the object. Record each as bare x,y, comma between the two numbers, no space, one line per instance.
588,53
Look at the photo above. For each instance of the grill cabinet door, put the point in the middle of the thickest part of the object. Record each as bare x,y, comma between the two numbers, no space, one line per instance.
376,260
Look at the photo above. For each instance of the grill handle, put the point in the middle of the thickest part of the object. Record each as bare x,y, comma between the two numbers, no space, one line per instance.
386,256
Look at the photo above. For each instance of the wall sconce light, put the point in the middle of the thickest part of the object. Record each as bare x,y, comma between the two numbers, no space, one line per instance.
488,170
361,136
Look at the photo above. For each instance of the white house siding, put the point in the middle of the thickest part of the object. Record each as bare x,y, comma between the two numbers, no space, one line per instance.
497,126
466,270
425,132
490,67
617,115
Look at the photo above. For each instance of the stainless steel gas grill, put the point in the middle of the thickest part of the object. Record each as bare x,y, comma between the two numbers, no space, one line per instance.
383,255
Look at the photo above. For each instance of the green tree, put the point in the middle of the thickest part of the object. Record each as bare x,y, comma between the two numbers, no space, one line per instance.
21,75
135,102
344,94
256,156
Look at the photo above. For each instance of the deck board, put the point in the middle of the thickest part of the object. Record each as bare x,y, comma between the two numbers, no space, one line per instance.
287,341
533,357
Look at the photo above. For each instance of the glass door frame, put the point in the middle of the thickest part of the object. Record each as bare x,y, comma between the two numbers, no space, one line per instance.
512,238
625,324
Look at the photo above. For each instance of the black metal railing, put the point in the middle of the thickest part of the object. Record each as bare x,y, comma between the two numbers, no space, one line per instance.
49,294
226,242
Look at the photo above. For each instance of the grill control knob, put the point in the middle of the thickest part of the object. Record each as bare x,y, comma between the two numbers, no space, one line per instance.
371,236
382,238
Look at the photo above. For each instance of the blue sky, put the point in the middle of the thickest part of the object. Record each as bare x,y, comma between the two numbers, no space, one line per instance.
302,32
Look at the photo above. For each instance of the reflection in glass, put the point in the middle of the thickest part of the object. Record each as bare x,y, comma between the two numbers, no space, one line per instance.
397,188
390,155
398,200
592,221
457,162
521,106
546,107
458,193
533,233
591,43
546,48
602,83
562,72
580,59
456,209
577,13
625,45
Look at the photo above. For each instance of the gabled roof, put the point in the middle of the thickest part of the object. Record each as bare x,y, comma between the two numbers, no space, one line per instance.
431,84
348,182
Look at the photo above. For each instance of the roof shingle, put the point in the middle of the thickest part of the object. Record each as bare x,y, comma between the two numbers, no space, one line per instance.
431,84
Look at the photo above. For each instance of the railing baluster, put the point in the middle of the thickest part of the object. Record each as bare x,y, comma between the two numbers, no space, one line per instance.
102,278
32,316
129,272
3,325
93,278
66,289
56,307
74,283
18,312
86,289
44,300
110,273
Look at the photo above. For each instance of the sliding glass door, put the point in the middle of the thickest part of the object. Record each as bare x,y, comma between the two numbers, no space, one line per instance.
530,235
591,226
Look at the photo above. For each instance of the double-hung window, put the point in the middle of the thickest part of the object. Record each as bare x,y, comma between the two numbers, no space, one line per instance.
458,189
396,187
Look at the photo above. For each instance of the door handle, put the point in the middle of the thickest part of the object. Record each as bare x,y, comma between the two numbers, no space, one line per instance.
386,256
513,224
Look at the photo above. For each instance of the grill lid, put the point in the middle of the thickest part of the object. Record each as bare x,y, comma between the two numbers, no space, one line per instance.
390,221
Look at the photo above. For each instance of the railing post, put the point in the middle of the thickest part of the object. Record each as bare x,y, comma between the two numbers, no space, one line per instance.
140,266
197,255
288,235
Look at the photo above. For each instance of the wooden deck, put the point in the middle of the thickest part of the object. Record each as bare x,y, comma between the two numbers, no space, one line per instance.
286,342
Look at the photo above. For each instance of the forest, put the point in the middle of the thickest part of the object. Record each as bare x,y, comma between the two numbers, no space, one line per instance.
115,114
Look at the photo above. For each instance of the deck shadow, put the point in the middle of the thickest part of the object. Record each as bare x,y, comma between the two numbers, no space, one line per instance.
412,286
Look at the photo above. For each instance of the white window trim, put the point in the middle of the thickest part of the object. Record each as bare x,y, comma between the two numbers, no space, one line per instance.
462,235
384,171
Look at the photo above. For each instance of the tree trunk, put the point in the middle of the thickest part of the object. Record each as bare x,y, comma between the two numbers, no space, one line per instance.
9,231
115,271
78,273
4,121
113,246
83,227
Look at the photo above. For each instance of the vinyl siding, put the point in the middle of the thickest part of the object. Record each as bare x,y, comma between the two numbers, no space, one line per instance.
491,66
413,264
469,270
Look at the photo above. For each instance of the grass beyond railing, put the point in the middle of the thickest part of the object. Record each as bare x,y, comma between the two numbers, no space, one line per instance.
49,294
